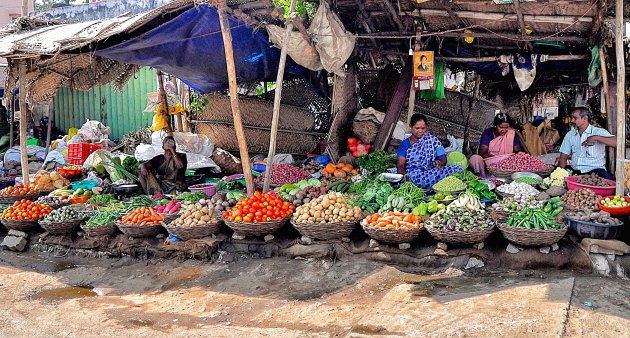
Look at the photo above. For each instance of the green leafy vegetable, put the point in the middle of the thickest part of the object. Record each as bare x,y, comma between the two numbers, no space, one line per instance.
377,162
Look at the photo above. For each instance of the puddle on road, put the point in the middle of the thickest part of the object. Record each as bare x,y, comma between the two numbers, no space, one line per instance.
65,293
141,322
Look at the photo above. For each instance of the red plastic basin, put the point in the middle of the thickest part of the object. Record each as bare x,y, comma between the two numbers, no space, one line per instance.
615,211
601,191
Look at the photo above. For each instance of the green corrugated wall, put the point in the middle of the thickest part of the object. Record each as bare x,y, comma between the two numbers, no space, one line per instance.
122,111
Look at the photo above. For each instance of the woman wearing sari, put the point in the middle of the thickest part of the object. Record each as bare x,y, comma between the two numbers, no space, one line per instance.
498,140
422,157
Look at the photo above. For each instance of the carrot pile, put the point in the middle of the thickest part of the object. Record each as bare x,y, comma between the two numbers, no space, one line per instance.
143,216
394,220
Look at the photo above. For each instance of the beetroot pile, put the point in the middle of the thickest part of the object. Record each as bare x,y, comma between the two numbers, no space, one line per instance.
520,162
282,174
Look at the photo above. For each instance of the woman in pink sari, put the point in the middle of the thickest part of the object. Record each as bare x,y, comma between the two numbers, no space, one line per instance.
498,140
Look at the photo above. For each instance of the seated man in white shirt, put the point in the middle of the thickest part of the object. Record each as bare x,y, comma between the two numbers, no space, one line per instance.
586,145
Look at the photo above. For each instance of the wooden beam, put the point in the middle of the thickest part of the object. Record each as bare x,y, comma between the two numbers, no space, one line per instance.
602,6
395,106
12,119
365,20
621,97
483,35
278,97
494,58
521,22
236,109
394,15
448,7
23,123
556,19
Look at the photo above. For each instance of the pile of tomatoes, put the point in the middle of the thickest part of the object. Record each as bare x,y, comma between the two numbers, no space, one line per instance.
259,208
19,189
26,210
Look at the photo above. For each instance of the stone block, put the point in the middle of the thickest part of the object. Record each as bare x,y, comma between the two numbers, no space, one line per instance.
14,243
474,263
17,233
404,246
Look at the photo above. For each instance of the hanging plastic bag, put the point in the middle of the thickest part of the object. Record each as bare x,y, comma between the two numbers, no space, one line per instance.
457,144
159,122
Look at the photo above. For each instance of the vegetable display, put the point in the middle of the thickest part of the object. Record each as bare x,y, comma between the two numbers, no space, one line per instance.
259,208
341,186
615,202
580,199
52,201
556,178
528,180
465,176
554,207
17,190
194,215
467,200
599,217
533,218
512,204
394,220
101,218
172,207
46,181
460,219
357,147
282,174
377,162
518,189
404,199
118,172
449,183
482,191
101,199
191,197
429,208
143,216
330,208
65,214
306,195
223,201
26,210
292,189
340,171
372,196
592,179
520,162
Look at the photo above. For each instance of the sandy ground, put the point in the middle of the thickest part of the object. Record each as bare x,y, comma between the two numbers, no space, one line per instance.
44,296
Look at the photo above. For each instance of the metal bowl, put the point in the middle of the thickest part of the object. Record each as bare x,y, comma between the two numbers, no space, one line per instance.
390,177
490,184
520,174
125,189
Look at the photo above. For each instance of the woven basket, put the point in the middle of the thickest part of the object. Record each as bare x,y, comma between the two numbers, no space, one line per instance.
459,237
10,199
168,218
60,228
19,225
256,229
103,230
325,231
532,237
388,235
135,230
194,232
508,173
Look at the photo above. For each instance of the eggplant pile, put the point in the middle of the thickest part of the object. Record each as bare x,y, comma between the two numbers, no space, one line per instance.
460,219
65,214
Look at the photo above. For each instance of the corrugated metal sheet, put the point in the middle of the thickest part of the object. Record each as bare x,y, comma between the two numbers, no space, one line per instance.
123,111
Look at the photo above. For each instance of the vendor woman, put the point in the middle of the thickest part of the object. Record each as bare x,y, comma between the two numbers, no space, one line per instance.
164,174
422,157
498,140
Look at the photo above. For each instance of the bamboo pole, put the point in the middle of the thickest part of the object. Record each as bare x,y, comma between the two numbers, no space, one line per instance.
621,97
277,98
236,109
163,98
23,123
607,105
12,120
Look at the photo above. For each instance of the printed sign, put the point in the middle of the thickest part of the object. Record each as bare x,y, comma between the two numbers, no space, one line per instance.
423,71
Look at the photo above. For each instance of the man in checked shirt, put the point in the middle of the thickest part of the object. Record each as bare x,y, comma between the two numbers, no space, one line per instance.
586,145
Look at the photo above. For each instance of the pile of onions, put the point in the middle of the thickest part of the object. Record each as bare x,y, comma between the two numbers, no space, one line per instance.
282,174
520,162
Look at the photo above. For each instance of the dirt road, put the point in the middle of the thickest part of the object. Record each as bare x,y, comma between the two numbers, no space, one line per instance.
44,296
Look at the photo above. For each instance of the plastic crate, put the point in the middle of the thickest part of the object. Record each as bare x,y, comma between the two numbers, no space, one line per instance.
79,152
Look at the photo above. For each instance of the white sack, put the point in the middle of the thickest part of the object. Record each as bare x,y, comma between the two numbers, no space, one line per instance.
298,48
332,41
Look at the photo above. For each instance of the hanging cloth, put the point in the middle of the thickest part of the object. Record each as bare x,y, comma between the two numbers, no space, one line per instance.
438,92
523,66
532,141
594,68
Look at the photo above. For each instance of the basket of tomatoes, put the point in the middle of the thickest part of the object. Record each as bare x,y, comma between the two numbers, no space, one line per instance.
142,222
18,192
24,215
258,215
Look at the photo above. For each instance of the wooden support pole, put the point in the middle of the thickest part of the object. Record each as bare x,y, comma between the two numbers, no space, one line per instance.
23,123
471,112
412,92
621,96
521,22
277,98
394,107
12,120
608,106
164,99
236,109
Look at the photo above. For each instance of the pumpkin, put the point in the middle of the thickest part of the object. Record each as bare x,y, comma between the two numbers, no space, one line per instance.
330,168
339,173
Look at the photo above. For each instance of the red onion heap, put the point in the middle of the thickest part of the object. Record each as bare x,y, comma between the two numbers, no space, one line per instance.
520,162
282,174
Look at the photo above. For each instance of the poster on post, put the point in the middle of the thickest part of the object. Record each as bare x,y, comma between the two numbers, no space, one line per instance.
423,70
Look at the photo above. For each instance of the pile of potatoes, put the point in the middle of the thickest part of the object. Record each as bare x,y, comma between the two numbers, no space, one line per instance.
330,208
580,199
592,179
194,215
600,217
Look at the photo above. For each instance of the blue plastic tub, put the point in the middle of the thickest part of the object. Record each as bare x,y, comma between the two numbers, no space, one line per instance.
84,184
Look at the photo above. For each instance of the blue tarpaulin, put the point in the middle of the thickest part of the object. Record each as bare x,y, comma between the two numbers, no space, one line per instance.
190,47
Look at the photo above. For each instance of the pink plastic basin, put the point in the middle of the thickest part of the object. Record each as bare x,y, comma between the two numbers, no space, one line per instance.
601,191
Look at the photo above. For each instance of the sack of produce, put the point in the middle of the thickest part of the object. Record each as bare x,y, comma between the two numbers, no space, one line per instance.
229,164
